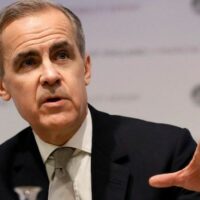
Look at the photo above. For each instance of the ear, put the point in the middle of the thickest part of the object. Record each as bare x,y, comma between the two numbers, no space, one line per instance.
87,68
4,94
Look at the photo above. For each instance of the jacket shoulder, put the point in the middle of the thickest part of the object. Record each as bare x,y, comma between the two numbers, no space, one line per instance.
13,141
13,145
143,137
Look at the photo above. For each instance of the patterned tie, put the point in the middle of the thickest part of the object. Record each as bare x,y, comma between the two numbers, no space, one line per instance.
61,186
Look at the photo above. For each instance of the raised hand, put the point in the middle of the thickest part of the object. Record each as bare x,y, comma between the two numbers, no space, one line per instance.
188,178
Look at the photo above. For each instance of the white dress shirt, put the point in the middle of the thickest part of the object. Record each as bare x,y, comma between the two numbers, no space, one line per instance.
79,166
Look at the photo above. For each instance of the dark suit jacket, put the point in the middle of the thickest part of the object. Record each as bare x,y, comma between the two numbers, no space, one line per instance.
125,153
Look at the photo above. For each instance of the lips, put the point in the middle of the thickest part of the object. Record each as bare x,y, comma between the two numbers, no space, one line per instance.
50,99
53,99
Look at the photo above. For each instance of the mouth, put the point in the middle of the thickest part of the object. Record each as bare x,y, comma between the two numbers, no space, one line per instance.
53,99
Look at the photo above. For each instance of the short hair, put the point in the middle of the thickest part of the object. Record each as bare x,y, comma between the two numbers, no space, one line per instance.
23,8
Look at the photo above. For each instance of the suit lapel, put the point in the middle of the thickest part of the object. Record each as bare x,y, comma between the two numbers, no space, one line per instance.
28,168
109,165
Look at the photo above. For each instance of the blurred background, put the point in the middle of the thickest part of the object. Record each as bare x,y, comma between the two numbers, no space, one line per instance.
145,61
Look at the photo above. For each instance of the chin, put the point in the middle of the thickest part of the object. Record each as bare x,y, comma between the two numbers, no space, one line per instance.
61,122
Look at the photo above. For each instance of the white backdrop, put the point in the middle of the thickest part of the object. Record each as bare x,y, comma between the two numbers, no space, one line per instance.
145,55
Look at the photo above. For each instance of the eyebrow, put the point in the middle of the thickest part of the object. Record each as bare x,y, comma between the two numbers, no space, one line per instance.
33,52
63,45
24,54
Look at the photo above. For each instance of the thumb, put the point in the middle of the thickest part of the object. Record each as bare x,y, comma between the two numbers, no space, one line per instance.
164,180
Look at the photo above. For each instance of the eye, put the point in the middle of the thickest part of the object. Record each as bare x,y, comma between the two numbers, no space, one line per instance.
29,62
61,55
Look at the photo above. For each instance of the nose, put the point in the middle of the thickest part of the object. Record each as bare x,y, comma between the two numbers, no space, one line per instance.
50,75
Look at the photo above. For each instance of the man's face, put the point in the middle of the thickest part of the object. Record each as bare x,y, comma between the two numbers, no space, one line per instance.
45,74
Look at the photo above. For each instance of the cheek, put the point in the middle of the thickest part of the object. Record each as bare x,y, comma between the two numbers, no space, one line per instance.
74,78
23,98
77,89
22,92
80,93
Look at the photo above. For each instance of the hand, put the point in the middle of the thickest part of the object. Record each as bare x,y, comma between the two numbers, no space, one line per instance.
188,178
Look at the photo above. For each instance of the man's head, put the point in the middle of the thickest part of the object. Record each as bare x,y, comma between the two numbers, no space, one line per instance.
46,70
24,8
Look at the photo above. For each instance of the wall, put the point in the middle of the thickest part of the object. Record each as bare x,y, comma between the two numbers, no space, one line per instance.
145,56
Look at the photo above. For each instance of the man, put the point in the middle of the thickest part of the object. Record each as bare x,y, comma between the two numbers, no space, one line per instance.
45,70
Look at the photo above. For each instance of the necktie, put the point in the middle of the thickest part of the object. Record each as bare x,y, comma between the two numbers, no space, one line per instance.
61,186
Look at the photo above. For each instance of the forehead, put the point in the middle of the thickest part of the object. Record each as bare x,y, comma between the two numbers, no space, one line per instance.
39,28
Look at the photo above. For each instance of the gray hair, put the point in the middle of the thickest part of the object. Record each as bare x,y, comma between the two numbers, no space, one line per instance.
23,8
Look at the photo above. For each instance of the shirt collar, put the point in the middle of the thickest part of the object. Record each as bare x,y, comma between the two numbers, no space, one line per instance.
81,140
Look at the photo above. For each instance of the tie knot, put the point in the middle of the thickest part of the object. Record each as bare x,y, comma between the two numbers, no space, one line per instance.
61,157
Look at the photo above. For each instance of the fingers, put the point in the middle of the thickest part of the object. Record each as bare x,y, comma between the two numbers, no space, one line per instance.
164,180
197,152
188,178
